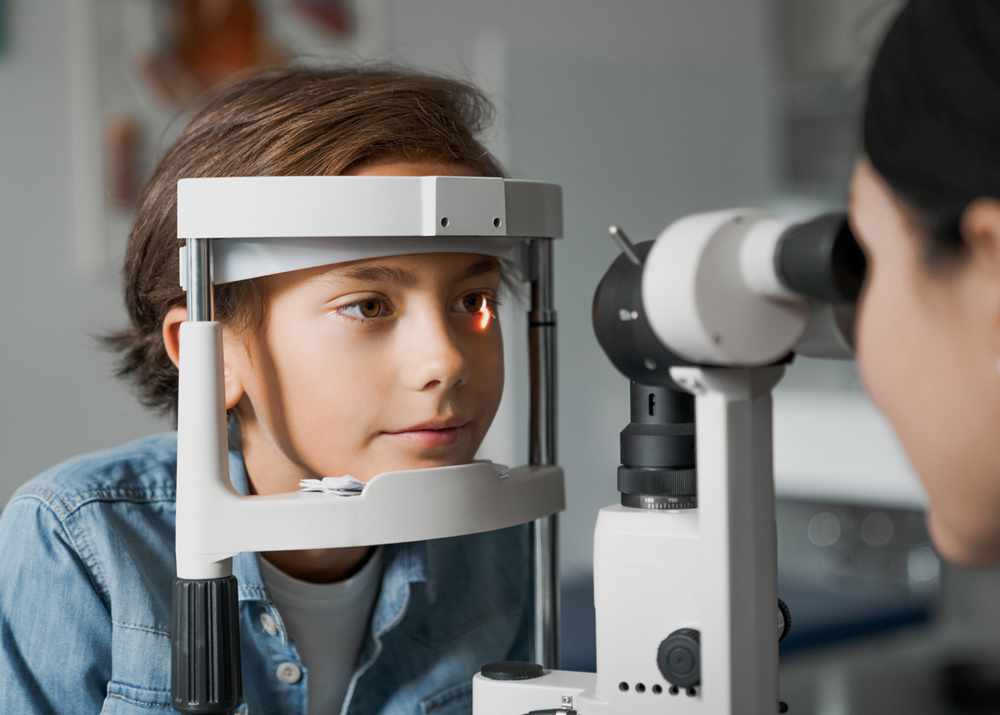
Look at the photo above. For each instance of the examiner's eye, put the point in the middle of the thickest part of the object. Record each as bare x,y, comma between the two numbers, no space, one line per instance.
365,309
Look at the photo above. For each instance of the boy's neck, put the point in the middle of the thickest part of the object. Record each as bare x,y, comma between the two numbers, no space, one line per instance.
321,565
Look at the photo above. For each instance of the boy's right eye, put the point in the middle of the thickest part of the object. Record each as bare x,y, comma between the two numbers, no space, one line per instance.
365,309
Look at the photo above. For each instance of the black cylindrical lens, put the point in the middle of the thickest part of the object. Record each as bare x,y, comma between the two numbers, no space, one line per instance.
821,259
658,450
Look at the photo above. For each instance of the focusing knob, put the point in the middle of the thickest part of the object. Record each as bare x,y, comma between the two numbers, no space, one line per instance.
679,658
784,620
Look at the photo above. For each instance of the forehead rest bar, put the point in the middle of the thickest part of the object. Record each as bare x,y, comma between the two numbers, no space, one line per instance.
268,225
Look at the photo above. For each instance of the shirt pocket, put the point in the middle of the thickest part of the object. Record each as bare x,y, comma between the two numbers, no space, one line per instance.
452,700
127,700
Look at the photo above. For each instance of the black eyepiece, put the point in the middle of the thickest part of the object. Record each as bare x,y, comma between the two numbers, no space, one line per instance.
821,259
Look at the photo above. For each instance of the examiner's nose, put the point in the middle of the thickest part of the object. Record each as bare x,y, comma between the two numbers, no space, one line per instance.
432,356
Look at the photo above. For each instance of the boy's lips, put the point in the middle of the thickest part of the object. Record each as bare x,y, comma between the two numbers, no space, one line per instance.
436,433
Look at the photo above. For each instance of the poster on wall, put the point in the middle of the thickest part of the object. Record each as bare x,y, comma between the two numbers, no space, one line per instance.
139,68
4,27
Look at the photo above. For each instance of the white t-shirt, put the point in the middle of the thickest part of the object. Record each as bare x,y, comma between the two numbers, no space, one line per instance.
327,622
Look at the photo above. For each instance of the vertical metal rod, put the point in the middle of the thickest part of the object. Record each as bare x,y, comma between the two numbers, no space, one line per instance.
205,671
542,448
199,279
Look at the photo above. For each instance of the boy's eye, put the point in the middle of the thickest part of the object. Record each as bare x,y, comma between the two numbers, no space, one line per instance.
366,309
370,308
474,302
480,305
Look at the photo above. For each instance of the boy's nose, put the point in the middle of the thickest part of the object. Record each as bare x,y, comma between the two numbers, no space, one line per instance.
432,357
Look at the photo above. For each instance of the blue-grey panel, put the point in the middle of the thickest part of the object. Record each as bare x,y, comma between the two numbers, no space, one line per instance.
823,616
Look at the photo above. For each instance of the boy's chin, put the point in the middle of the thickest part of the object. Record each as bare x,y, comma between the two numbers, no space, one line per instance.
406,456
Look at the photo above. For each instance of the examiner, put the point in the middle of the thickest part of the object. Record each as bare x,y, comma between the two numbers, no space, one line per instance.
925,203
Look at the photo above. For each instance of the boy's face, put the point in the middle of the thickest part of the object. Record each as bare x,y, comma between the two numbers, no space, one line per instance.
370,366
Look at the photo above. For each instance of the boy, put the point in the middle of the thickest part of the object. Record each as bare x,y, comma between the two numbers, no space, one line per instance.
356,368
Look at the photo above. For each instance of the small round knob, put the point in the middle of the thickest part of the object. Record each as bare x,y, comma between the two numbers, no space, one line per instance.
784,620
679,658
512,670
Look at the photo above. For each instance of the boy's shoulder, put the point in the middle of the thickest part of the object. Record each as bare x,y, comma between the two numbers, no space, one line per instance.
141,471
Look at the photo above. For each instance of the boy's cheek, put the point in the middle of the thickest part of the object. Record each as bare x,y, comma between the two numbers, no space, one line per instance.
486,368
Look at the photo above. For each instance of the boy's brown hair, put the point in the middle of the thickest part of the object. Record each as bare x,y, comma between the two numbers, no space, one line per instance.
283,122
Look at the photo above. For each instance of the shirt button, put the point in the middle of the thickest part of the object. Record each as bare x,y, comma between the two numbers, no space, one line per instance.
289,673
270,627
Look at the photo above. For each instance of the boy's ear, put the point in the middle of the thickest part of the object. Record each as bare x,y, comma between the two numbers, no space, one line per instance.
172,342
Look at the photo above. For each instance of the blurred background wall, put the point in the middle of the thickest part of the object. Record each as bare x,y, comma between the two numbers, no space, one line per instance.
644,110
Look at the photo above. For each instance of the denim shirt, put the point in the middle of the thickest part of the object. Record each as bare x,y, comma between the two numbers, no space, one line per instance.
86,571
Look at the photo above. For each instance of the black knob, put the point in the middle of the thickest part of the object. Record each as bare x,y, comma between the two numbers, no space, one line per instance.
205,674
679,658
784,620
512,670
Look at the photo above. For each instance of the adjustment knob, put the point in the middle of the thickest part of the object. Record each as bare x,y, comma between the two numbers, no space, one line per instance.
512,670
784,620
679,658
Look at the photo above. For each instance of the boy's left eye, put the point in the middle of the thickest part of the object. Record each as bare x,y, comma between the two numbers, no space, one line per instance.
474,302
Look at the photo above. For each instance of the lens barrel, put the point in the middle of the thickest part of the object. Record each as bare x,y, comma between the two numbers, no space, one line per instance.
658,450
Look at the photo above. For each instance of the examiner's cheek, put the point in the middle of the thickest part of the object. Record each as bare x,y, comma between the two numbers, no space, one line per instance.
867,353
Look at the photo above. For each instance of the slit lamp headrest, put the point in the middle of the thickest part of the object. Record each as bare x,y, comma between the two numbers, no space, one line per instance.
268,225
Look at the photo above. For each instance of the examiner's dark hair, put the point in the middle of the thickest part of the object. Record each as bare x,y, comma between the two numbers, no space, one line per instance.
281,122
932,120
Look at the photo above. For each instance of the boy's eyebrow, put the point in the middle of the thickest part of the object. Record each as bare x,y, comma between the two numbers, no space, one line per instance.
405,279
486,265
380,274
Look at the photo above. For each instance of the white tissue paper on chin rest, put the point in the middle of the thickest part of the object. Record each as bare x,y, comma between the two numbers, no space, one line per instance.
348,486
345,486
